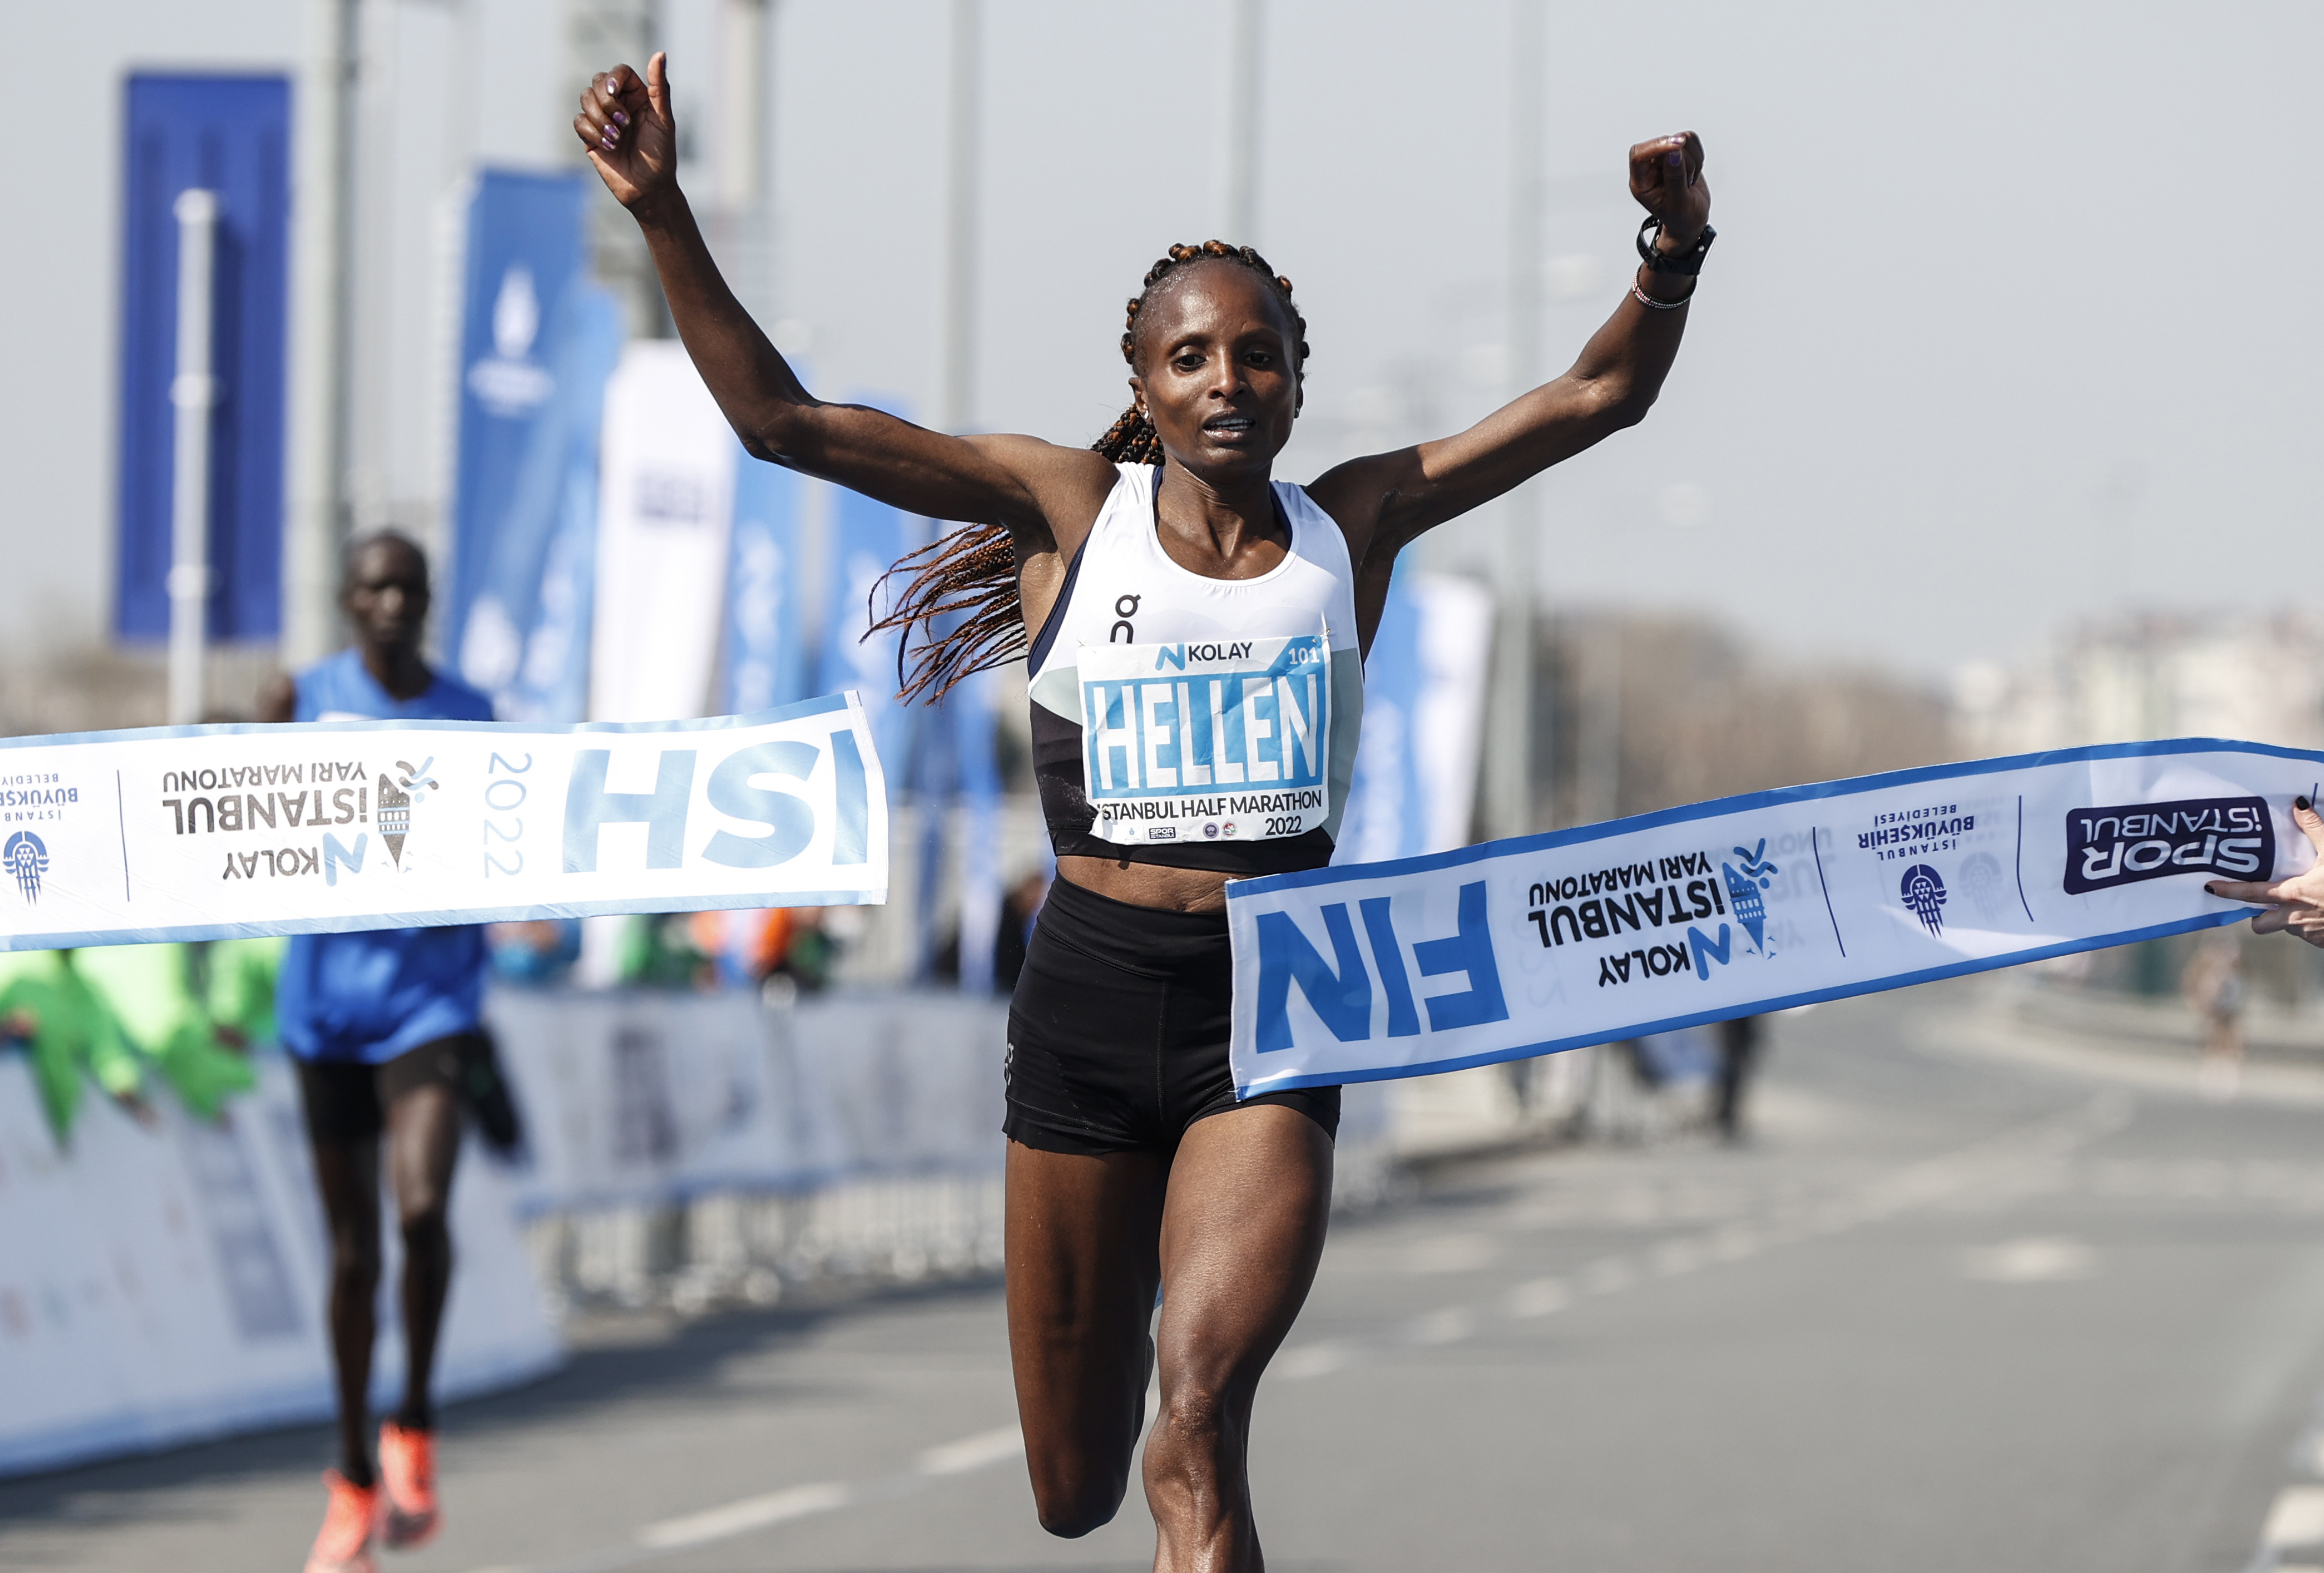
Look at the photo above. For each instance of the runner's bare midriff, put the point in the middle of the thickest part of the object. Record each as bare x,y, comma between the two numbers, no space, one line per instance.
1149,884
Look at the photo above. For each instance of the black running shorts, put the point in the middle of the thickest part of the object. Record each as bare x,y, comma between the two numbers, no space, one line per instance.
1118,1031
346,1100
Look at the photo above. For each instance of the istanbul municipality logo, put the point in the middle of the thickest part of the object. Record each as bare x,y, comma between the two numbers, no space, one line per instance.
1923,891
27,858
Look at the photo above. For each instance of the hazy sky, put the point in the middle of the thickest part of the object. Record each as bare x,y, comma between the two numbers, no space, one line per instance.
2010,320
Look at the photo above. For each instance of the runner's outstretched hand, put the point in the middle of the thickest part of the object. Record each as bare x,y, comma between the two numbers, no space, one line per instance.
1666,178
626,125
2298,902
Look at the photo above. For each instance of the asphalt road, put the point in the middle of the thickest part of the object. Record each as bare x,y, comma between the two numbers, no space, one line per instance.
1945,1310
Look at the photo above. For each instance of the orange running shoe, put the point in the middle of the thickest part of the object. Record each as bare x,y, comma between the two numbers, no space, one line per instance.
343,1545
407,1478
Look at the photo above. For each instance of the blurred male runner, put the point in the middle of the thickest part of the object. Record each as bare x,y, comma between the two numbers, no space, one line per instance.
374,1021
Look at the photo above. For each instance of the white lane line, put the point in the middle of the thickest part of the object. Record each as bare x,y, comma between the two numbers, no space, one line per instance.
1312,1360
992,1447
2043,1259
1540,1297
2296,1519
1452,1254
1448,1326
1609,1276
739,1518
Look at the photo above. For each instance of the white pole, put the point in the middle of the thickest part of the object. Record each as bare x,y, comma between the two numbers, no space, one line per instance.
194,392
1508,800
322,213
1239,128
956,384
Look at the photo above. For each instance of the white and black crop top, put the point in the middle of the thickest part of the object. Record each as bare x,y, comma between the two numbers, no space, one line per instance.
1196,722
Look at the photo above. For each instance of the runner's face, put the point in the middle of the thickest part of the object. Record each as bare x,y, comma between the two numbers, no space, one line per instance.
1215,369
386,597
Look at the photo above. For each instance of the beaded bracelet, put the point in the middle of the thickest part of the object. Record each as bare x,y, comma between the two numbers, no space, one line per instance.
1647,300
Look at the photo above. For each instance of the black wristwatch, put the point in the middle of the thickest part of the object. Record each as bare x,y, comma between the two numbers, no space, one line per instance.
1688,263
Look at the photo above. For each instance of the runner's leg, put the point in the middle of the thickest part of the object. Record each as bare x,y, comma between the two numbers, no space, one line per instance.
347,1174
423,1141
1082,1273
1242,1230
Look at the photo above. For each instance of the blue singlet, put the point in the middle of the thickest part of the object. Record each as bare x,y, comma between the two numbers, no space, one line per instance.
369,996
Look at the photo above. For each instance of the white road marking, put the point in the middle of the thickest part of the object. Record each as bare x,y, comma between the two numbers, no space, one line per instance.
752,1513
1311,1360
1674,1257
1452,1254
1449,1326
992,1447
1608,1276
2296,1519
1540,1297
2035,1260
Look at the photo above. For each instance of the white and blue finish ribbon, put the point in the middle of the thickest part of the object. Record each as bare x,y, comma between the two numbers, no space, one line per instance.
1525,947
212,832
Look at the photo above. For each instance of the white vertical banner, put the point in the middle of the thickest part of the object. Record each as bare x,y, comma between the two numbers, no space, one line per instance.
665,503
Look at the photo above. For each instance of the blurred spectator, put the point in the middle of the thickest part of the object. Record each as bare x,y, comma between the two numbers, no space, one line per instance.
1018,909
1738,1048
744,949
1019,905
163,998
2213,984
50,1009
534,954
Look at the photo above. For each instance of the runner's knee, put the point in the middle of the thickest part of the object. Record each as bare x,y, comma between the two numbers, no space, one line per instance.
422,1216
355,1258
1074,1500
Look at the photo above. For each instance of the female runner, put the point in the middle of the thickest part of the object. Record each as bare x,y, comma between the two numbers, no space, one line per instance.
1131,1167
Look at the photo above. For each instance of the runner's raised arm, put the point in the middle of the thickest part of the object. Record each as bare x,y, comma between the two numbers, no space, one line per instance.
1021,483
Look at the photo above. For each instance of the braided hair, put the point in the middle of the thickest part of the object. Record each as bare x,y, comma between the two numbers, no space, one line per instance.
968,579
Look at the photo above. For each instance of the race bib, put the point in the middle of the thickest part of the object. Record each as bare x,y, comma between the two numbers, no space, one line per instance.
1225,741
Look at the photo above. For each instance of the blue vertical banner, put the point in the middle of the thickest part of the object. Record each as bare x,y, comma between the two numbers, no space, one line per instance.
1384,818
867,538
955,783
1415,778
230,135
973,710
766,656
538,341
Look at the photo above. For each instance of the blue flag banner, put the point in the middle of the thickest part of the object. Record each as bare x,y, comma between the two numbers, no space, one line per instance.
533,363
525,637
217,832
954,767
974,709
1662,922
868,536
1416,780
766,659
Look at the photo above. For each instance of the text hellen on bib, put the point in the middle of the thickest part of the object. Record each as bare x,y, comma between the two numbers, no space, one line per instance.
1227,740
